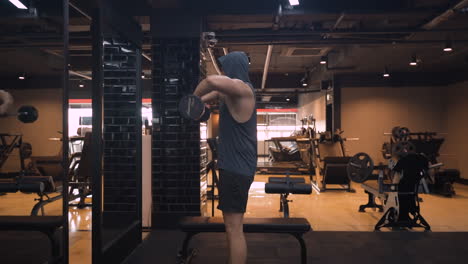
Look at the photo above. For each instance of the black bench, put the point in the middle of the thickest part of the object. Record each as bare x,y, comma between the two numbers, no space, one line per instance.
334,172
43,186
47,225
296,227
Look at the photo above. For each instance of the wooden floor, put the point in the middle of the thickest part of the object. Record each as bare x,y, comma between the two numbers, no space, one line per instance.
327,211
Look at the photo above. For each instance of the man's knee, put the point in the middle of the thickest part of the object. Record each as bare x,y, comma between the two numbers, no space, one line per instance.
233,222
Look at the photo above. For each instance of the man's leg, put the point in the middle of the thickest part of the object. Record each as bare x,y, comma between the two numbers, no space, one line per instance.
235,237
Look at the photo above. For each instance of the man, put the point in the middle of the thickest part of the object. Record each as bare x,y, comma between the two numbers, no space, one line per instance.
237,147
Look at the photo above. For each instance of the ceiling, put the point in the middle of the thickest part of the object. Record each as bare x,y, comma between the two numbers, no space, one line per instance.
361,36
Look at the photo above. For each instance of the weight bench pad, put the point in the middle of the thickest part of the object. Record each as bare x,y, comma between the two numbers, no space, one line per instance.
294,188
283,180
30,223
251,225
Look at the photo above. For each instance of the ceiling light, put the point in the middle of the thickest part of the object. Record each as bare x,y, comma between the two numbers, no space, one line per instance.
81,85
448,45
294,2
22,77
142,75
414,61
386,74
324,60
18,4
287,99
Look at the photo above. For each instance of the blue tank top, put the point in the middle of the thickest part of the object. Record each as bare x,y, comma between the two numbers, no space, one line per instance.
237,145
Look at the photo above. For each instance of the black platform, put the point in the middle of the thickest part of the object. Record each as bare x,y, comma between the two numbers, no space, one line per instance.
322,247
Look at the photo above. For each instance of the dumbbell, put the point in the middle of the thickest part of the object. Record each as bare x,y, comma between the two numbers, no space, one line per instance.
193,108
25,114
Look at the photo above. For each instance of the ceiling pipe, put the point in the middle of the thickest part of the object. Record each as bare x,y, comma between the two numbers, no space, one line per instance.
80,75
445,15
337,24
80,11
267,64
146,56
299,32
215,64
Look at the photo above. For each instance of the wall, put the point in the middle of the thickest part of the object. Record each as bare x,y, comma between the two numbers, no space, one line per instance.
49,104
313,103
457,124
368,112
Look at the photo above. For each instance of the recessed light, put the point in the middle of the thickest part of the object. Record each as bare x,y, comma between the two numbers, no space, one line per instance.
448,45
18,4
294,2
323,60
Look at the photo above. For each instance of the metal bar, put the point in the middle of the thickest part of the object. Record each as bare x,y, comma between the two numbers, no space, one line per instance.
269,32
445,15
65,150
334,42
80,11
215,64
138,126
80,75
225,51
96,142
146,56
267,64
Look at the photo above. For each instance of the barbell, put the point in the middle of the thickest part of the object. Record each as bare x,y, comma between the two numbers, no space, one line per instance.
25,114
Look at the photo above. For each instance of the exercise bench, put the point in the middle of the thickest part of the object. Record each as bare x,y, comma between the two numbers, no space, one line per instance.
285,186
192,226
48,225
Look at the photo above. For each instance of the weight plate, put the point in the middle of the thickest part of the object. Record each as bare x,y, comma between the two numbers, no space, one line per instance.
27,114
360,167
191,107
402,148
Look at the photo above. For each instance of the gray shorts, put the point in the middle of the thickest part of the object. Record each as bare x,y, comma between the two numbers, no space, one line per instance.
233,191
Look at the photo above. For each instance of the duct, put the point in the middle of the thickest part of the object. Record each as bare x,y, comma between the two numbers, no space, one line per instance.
267,64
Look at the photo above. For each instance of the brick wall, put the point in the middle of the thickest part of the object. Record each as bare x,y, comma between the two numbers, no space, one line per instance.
176,141
119,126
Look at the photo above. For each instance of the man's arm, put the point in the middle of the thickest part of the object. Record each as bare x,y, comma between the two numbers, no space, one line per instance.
223,85
210,97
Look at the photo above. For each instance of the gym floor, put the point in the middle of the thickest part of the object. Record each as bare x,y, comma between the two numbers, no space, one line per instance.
327,211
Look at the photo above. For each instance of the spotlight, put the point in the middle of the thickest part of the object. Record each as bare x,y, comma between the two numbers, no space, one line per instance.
414,61
305,79
287,99
448,45
324,60
81,85
294,2
22,77
386,74
18,4
143,75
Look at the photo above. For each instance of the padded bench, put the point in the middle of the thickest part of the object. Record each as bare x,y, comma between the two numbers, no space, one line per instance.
47,225
41,185
296,227
285,186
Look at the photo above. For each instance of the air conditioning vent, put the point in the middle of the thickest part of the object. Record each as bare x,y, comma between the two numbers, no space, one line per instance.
304,52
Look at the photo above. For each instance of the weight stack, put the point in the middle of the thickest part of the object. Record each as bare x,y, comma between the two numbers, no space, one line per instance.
176,141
